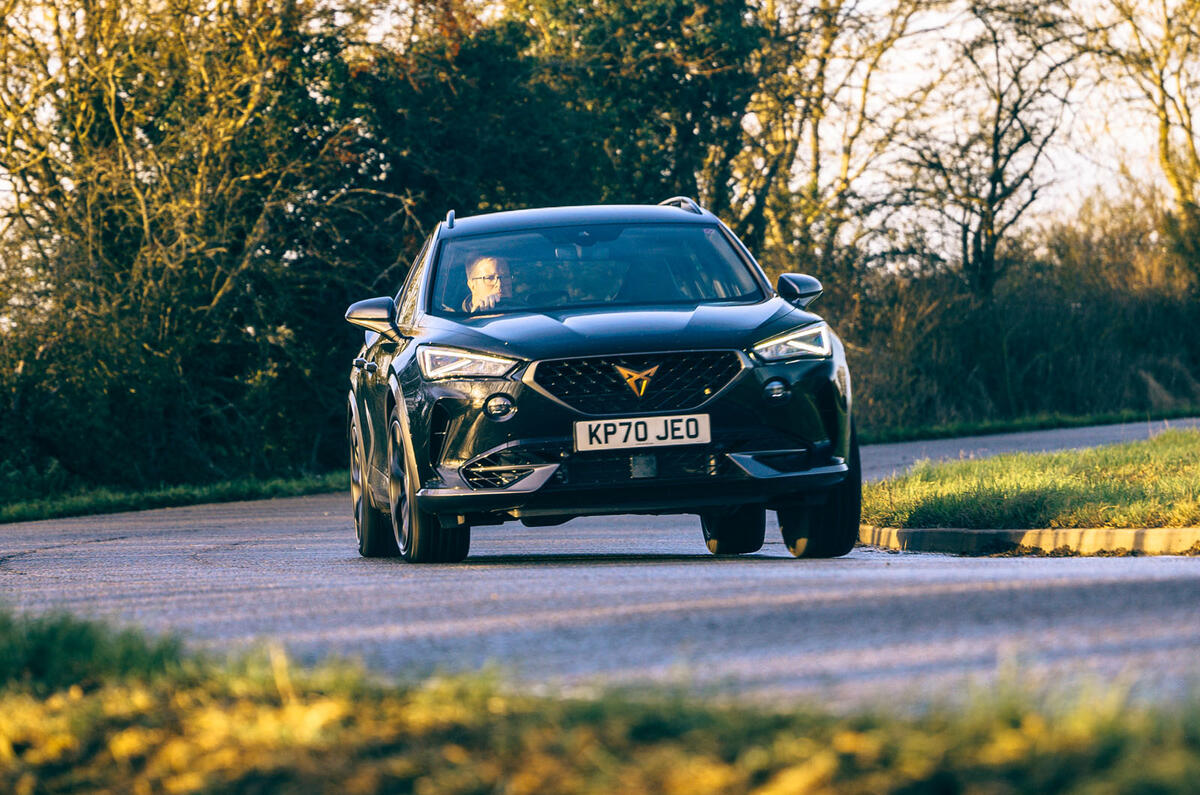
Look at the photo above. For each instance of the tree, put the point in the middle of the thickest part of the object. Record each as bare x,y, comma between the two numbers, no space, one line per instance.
823,125
652,93
461,120
1155,47
1115,243
188,196
1001,103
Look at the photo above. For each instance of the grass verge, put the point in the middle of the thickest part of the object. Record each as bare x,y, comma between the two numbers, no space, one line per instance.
1154,483
103,500
1035,422
174,724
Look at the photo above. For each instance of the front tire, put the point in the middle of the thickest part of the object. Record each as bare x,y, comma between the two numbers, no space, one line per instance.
372,527
829,530
418,535
736,532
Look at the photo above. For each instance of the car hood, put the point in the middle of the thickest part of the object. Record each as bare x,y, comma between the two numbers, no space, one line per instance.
585,332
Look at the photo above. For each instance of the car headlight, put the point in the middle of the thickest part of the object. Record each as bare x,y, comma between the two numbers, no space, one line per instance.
810,342
437,362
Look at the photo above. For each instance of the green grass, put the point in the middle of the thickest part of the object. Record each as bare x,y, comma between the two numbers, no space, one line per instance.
47,653
103,500
1155,483
1034,422
259,724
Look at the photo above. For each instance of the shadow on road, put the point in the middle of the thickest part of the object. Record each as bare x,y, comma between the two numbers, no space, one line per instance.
600,558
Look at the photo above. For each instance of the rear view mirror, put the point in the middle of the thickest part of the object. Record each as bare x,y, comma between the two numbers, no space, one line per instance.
374,314
799,289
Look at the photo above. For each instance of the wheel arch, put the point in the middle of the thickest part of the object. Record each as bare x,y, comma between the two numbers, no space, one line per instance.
353,425
843,398
394,398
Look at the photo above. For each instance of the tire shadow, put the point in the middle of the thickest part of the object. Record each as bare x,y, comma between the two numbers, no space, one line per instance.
606,558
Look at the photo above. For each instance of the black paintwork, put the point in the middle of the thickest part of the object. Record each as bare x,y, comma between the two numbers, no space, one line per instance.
515,220
589,332
817,412
798,288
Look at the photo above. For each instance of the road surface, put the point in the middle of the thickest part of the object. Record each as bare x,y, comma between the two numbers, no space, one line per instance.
627,600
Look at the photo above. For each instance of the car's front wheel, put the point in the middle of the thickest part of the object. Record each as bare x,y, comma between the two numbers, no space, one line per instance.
734,532
371,526
419,535
829,530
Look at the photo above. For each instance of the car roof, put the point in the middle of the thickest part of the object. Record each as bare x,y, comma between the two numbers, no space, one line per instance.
513,220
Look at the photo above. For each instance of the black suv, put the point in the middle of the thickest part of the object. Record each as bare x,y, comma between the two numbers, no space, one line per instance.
545,364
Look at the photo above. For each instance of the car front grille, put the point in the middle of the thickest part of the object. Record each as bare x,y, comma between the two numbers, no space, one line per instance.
676,381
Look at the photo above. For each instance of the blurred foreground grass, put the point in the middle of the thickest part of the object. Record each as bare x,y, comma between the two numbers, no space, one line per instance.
176,723
1153,483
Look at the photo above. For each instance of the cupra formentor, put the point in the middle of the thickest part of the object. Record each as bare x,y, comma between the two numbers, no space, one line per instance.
539,365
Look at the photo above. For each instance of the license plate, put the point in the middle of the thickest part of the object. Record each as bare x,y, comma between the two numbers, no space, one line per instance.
642,432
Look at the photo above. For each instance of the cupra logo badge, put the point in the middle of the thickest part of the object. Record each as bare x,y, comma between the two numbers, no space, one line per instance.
637,381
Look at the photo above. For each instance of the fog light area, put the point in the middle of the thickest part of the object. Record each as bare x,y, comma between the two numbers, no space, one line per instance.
499,407
776,391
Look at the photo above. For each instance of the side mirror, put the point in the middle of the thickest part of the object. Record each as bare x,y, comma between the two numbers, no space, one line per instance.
799,289
374,314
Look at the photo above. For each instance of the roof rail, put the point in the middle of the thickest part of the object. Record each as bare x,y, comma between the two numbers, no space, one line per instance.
450,220
683,203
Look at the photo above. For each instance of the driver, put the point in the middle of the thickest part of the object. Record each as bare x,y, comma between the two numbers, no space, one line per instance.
490,283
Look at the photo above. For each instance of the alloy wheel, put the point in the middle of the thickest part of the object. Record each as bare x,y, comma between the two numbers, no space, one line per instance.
357,491
398,486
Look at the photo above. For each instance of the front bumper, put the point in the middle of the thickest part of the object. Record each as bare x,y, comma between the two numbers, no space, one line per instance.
541,498
770,453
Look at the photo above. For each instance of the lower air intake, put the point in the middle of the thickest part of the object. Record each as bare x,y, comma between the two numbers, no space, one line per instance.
502,469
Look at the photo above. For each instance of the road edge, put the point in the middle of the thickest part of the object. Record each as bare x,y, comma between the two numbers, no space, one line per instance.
1048,541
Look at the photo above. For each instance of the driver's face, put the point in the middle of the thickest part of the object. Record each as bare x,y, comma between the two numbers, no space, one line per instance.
489,278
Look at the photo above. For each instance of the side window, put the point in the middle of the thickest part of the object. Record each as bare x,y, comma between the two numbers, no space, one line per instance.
407,309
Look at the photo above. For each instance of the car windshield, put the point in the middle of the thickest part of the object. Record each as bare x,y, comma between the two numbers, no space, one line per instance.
596,265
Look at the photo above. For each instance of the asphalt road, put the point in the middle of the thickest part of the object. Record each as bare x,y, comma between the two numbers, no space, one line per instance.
630,600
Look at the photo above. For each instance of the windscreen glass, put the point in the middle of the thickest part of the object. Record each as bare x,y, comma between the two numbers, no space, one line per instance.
590,266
